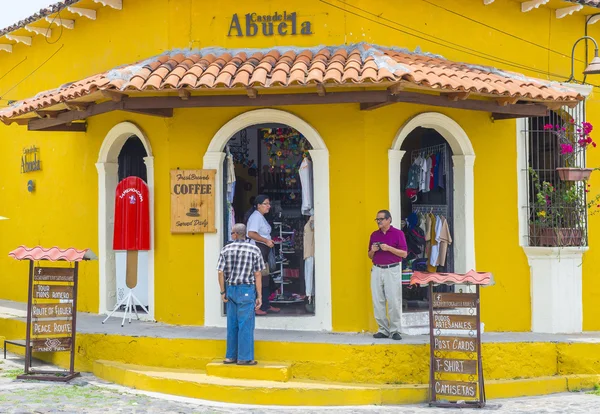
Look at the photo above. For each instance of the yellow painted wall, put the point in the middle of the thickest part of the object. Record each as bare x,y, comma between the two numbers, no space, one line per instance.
63,210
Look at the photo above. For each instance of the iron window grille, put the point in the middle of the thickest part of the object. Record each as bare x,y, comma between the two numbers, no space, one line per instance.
557,210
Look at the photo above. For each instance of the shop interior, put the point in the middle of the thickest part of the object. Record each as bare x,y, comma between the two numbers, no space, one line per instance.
427,207
274,160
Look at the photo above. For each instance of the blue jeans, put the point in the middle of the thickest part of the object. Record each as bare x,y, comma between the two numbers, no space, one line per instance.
241,300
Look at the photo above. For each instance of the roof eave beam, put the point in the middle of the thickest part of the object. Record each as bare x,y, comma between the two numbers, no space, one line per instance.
69,127
26,40
59,21
532,4
162,113
6,47
567,11
47,32
89,13
115,4
487,2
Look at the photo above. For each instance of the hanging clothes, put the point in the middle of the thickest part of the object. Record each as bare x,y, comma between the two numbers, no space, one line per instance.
231,180
432,242
441,172
306,181
435,244
309,260
432,182
444,240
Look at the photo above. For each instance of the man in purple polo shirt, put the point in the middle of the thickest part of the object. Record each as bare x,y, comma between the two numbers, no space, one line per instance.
387,247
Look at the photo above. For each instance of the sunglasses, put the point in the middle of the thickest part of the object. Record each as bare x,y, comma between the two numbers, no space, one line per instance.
378,219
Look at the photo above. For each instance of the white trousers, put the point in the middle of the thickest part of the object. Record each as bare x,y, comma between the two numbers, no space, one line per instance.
386,285
309,275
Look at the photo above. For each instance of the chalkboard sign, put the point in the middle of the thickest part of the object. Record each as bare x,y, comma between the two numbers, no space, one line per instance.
456,373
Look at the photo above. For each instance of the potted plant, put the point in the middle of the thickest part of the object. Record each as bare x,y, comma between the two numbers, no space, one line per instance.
559,214
574,139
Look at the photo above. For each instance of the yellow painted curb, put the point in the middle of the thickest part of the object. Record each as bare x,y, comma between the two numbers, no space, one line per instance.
196,384
263,371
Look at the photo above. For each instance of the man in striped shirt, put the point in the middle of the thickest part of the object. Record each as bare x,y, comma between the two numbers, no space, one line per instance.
240,265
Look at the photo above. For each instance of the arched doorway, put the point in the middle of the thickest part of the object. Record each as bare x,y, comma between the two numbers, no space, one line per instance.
112,162
214,159
463,159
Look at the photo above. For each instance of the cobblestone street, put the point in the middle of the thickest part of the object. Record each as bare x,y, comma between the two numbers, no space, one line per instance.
92,395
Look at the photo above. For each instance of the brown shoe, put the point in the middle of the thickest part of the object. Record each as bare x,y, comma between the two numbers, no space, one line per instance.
273,310
260,312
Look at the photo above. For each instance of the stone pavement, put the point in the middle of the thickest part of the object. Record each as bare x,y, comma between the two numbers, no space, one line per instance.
92,395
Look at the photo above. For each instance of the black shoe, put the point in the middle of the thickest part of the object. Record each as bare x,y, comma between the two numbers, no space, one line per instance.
380,335
396,337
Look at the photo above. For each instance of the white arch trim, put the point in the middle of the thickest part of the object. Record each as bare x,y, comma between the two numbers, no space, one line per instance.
464,194
213,159
108,167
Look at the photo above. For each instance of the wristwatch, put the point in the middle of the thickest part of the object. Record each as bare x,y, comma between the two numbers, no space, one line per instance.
222,293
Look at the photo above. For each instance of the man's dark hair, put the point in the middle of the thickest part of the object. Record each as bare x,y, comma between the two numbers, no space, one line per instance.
386,213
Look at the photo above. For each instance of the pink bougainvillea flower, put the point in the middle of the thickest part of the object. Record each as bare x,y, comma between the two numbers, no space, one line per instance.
582,142
548,126
589,140
572,121
587,127
566,149
594,144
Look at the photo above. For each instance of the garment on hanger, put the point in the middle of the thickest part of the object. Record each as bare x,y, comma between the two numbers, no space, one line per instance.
435,246
441,172
444,240
306,181
432,182
427,178
309,260
432,241
231,180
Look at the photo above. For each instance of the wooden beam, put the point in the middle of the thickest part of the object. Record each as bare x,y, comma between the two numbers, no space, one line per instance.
532,4
89,13
507,101
47,32
113,95
457,96
396,89
163,113
6,47
72,127
567,11
500,117
26,40
321,89
78,106
470,104
70,116
252,93
59,21
369,100
184,94
115,4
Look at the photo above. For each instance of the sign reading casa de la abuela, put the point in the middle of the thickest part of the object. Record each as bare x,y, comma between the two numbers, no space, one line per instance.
282,24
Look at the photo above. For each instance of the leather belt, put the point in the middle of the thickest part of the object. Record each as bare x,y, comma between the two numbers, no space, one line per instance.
387,266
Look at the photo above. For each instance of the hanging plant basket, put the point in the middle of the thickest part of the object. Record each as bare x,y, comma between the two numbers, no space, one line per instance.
574,174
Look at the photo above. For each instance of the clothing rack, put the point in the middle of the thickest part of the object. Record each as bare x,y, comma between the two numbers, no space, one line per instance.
433,149
436,209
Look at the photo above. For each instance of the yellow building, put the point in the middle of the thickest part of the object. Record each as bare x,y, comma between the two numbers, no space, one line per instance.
364,87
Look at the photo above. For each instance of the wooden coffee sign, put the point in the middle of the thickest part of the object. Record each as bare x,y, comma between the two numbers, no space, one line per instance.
456,372
193,201
53,274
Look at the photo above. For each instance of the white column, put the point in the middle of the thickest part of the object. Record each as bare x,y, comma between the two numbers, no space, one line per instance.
464,217
556,289
149,161
213,242
395,184
323,319
107,185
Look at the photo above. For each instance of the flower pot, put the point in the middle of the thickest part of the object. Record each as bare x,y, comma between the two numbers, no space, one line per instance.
561,237
574,174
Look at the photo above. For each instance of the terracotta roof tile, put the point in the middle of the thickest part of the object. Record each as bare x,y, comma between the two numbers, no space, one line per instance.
362,64
53,253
